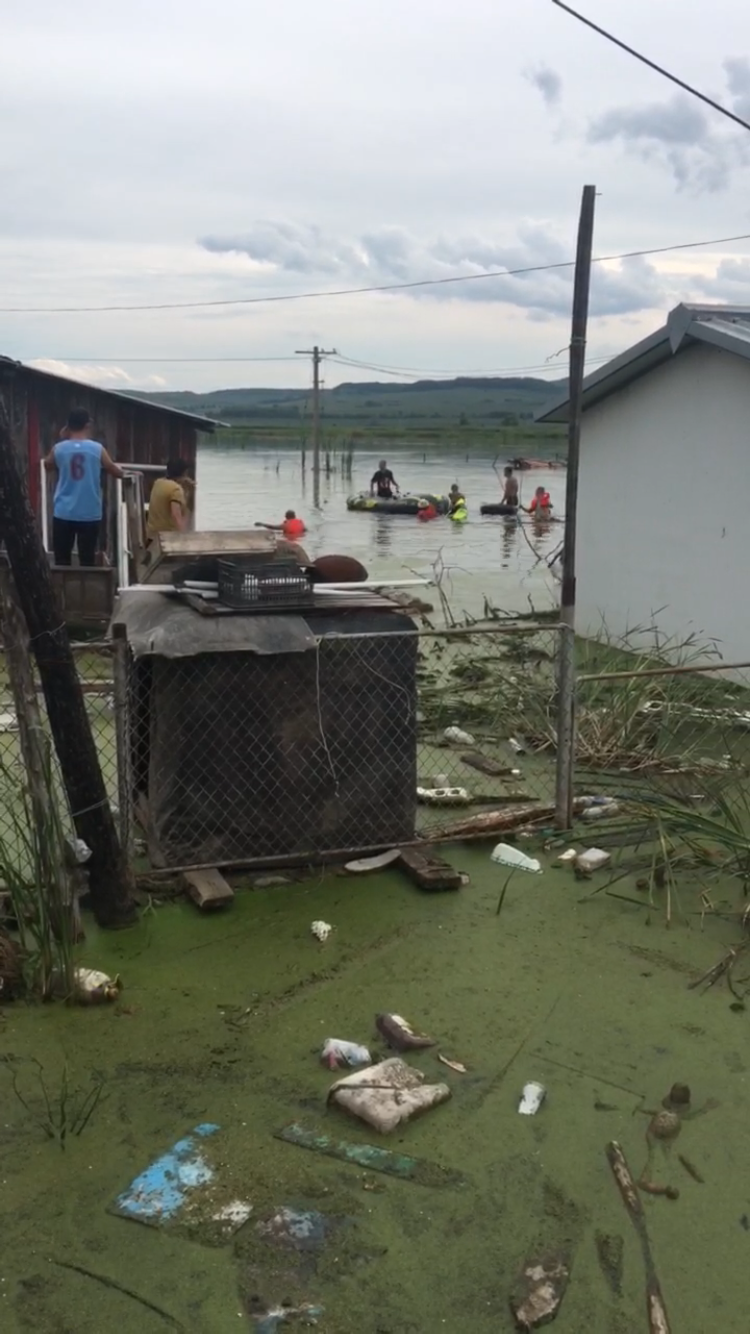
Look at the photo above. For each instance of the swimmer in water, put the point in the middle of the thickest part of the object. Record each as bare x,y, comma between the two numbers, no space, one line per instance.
292,527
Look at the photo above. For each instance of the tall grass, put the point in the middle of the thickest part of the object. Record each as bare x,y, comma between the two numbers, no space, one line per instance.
38,884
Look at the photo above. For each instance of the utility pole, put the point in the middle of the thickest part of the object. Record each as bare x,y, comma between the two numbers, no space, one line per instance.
109,877
567,667
317,354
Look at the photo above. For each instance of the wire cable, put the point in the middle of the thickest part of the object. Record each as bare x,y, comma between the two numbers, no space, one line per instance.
381,287
688,88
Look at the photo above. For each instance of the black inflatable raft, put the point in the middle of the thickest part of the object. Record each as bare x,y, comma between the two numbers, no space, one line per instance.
398,504
505,511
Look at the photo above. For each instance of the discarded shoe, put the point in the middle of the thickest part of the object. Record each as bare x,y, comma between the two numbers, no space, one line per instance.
399,1034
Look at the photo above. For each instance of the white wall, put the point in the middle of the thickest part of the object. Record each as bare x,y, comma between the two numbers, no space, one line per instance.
664,504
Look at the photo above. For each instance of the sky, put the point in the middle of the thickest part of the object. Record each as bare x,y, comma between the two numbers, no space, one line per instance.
158,154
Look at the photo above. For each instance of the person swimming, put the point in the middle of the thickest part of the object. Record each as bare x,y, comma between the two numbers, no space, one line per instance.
292,527
458,511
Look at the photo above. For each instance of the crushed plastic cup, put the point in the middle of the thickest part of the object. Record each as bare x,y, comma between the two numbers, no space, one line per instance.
505,855
532,1097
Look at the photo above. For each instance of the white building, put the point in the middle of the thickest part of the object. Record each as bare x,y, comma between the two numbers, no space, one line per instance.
664,491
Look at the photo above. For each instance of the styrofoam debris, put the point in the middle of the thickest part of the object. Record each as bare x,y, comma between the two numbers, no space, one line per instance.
321,929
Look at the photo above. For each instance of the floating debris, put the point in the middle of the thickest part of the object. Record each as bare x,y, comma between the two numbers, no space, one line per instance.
387,1095
337,1052
458,737
89,987
372,1158
321,930
453,1065
183,1189
540,1290
399,1033
690,1168
363,865
300,1229
664,1126
444,796
532,1097
505,855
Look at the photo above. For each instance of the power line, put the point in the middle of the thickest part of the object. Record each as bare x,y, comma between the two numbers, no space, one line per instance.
687,87
341,360
151,361
409,371
381,287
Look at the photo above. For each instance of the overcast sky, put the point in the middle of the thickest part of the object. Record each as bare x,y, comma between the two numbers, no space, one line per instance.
173,151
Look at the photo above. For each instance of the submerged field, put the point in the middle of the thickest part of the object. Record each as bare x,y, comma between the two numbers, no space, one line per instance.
222,1019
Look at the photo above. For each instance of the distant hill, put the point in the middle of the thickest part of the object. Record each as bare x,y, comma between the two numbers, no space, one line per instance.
464,401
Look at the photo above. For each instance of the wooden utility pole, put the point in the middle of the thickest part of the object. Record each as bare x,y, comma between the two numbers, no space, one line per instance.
109,877
566,675
317,354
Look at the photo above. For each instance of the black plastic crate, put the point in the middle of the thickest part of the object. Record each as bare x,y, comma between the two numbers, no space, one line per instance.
255,584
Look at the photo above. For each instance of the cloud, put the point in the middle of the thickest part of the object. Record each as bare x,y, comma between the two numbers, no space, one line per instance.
547,81
105,377
738,81
701,152
393,254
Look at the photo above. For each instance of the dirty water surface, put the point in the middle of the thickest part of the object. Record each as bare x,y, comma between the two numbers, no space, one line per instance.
221,1023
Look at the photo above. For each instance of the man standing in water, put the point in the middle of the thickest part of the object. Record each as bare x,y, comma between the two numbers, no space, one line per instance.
77,511
384,481
510,488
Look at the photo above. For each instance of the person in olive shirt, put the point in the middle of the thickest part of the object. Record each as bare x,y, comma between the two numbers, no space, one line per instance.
384,481
167,507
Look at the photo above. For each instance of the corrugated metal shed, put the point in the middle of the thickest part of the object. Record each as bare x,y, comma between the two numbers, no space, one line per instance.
132,430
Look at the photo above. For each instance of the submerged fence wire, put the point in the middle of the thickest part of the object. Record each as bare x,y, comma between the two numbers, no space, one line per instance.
370,740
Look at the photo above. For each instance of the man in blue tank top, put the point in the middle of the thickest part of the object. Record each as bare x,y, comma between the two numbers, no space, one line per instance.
77,512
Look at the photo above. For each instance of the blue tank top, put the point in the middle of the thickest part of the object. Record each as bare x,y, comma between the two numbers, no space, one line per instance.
78,494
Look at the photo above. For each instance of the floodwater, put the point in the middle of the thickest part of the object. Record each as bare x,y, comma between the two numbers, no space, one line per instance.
222,1019
506,562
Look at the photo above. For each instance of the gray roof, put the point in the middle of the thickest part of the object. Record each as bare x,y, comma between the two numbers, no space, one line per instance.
723,327
200,423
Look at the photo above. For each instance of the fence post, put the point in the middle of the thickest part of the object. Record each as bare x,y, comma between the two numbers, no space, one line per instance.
566,740
121,680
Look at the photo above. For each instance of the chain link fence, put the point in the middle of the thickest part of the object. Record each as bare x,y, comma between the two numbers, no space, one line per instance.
676,734
371,740
365,741
94,664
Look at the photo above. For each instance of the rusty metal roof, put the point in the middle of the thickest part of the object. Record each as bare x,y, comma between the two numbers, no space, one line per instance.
201,423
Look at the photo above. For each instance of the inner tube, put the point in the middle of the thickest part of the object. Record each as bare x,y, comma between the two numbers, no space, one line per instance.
397,504
506,511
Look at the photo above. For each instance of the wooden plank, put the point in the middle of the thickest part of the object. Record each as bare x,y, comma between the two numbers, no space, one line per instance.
428,871
207,543
208,889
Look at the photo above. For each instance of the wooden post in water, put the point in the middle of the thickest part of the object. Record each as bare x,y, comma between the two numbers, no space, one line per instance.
109,876
567,666
317,354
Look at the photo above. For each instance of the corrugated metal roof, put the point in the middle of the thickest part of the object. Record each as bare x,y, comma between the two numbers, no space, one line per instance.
723,327
201,423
